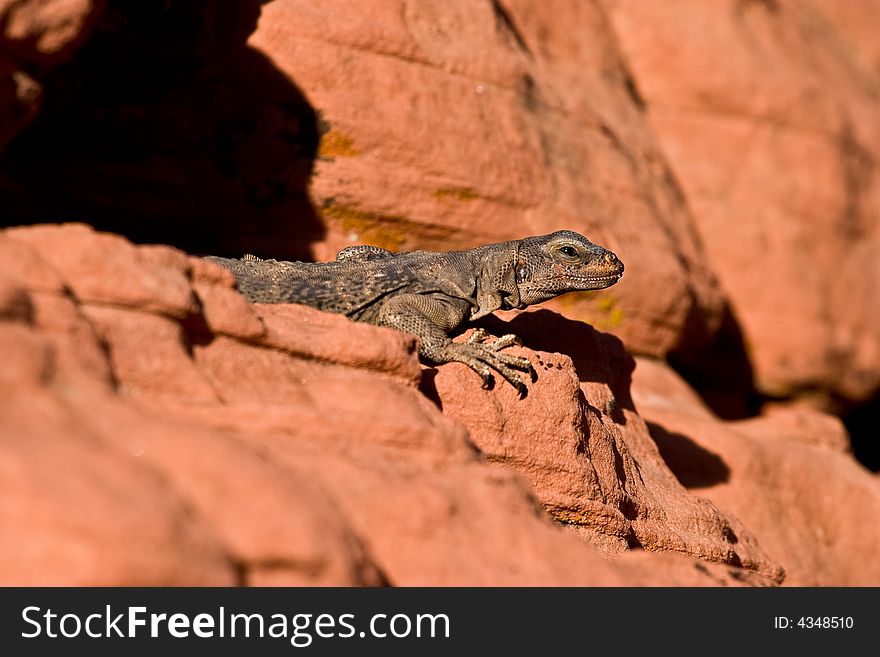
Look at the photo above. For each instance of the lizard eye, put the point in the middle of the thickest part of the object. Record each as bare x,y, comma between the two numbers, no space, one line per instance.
568,251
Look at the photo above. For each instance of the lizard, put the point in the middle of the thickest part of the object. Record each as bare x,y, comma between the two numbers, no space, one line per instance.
431,294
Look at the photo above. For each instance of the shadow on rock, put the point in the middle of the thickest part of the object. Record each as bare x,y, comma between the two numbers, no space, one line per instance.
597,357
428,386
167,127
693,465
863,425
720,370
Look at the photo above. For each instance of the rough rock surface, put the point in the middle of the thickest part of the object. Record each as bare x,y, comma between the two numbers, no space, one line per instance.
430,146
590,115
156,429
579,441
769,118
786,476
695,140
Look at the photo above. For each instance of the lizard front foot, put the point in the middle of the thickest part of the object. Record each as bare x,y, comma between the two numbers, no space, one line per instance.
483,357
429,319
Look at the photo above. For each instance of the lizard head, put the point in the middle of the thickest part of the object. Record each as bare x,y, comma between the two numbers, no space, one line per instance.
564,261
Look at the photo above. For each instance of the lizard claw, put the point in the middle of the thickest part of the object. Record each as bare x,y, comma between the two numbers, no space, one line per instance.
504,342
488,379
483,358
481,336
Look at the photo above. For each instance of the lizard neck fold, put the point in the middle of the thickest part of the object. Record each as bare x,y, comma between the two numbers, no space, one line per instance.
496,279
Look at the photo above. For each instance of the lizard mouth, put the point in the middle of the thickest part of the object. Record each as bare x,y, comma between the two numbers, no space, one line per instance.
556,285
595,282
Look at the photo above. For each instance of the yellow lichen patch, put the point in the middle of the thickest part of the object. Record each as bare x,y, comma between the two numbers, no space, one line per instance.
387,231
597,308
605,304
369,227
455,193
591,521
571,304
337,144
613,315
568,517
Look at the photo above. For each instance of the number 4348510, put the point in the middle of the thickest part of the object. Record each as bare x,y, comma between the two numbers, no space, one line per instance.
814,622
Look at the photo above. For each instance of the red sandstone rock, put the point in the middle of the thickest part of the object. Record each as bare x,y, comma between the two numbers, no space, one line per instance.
273,444
294,466
76,509
225,311
108,270
451,126
810,506
36,34
772,129
856,22
461,122
799,423
580,443
140,447
41,31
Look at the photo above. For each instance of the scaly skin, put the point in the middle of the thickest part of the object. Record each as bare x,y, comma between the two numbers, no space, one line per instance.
430,294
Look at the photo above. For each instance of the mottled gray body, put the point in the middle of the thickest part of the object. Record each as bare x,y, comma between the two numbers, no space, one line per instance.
430,294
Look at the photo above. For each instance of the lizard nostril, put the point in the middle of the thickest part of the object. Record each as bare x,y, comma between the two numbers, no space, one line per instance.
612,260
